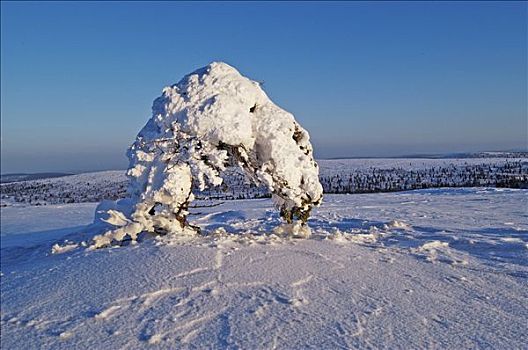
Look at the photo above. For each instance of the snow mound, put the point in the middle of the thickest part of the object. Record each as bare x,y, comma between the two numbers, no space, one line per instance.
396,224
59,249
433,245
213,118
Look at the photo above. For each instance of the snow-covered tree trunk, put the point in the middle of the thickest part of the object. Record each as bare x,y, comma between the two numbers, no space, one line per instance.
213,118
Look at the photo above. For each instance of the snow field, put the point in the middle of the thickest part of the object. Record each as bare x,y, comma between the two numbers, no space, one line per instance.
442,268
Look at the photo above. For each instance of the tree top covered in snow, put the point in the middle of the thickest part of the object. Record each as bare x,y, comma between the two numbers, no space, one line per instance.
213,118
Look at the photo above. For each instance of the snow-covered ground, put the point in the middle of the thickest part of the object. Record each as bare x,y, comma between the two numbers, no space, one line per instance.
438,268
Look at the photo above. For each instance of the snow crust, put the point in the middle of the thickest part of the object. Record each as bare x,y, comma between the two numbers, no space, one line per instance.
441,268
212,118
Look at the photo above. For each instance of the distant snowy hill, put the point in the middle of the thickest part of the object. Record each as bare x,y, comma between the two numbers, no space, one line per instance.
336,175
88,187
5,178
465,155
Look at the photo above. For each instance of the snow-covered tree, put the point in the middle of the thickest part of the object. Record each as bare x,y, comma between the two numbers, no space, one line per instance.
213,118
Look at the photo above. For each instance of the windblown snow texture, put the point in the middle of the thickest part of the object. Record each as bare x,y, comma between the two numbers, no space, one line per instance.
426,269
211,119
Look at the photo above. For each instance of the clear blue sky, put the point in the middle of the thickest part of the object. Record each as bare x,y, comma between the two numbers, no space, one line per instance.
365,78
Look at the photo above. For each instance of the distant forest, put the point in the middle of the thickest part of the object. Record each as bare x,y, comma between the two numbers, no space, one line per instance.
511,173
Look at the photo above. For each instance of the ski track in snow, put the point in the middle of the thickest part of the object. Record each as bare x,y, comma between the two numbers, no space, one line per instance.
424,269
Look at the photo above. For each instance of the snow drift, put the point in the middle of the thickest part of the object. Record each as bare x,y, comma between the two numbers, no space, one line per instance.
213,118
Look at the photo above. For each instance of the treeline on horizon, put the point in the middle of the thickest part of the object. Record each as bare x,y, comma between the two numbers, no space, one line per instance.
510,174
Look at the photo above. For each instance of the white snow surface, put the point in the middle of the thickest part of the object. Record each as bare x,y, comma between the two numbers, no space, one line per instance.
441,268
212,118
